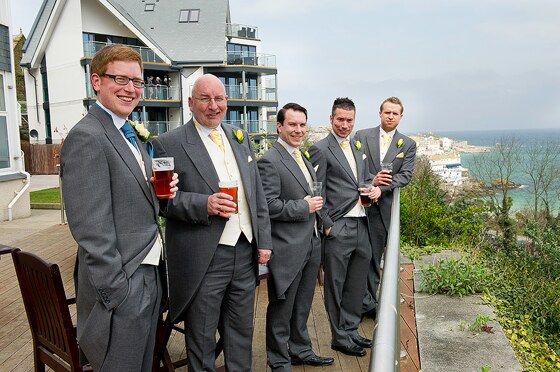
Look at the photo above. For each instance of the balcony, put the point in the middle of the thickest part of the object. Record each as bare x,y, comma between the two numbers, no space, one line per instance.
254,126
245,31
148,55
251,93
159,127
160,92
250,59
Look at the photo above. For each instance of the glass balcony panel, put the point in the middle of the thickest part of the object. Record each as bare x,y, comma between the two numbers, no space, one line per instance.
250,59
148,55
239,30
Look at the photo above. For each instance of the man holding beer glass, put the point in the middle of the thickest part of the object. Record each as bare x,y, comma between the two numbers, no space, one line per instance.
391,157
288,178
213,239
341,165
112,213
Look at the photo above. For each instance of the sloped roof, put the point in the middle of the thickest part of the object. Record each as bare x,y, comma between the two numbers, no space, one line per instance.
37,30
183,43
191,43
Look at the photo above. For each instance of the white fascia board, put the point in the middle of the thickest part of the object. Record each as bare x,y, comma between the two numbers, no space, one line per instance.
43,40
135,31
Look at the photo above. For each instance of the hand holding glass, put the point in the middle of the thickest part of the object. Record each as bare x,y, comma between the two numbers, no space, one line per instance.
230,188
388,167
163,175
365,189
316,188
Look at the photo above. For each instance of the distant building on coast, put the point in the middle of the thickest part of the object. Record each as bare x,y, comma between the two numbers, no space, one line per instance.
178,40
444,156
448,167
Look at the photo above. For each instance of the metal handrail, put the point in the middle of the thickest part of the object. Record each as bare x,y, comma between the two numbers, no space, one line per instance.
385,354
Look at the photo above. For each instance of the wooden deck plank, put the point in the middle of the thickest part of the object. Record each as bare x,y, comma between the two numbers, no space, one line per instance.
56,245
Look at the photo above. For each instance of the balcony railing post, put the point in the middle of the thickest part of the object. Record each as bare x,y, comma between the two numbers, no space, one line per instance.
385,355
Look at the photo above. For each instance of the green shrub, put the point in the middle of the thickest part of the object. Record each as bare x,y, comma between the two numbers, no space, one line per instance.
453,277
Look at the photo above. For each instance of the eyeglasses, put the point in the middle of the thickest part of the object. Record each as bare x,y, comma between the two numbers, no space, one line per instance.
206,100
124,80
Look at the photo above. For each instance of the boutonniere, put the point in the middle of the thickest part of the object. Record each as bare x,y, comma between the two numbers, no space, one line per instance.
307,156
237,135
399,143
140,130
358,145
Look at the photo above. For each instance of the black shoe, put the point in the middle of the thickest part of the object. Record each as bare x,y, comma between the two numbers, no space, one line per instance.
353,350
315,360
362,341
372,314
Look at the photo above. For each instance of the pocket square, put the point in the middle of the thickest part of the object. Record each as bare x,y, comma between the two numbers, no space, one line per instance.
364,157
315,168
249,159
400,155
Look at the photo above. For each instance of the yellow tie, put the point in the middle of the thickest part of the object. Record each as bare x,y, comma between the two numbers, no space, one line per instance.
217,139
345,146
386,140
299,160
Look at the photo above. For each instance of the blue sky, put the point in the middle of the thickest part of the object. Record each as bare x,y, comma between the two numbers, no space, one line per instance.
456,65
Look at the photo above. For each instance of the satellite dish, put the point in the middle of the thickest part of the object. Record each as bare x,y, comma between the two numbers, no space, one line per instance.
33,133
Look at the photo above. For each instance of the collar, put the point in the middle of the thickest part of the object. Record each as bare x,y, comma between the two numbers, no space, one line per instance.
391,133
286,146
340,139
117,121
205,131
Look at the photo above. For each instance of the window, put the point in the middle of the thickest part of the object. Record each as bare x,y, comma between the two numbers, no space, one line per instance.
149,7
189,15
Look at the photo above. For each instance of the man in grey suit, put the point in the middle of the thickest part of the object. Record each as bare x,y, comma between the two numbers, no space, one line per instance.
112,212
384,144
341,165
287,178
212,251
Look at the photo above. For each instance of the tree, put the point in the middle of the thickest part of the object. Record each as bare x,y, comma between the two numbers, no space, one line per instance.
541,164
496,169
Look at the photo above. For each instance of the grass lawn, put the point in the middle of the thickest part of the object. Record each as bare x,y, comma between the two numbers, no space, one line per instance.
45,196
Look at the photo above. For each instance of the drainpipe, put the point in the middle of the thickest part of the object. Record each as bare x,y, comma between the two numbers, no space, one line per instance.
36,98
19,193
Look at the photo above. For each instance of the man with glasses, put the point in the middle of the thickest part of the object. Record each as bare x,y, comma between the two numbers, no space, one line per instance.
112,213
214,243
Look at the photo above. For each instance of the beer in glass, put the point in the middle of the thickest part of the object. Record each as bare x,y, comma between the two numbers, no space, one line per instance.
163,175
230,188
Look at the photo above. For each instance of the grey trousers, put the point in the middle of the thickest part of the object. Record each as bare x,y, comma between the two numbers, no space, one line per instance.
134,323
346,263
225,299
286,318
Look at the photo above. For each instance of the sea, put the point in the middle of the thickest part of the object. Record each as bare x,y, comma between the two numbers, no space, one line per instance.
525,137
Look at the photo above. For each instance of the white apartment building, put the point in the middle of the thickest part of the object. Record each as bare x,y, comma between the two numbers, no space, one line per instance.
179,40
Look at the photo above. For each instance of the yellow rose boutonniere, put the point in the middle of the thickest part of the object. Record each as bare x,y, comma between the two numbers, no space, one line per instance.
399,143
140,130
306,154
358,145
237,135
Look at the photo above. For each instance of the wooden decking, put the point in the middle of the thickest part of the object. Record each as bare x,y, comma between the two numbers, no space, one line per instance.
56,245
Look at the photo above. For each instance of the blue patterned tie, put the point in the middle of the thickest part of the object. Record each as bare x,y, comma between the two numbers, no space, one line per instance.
129,133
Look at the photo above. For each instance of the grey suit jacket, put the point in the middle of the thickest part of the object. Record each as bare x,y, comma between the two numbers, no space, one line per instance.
402,158
285,186
112,213
339,184
192,236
